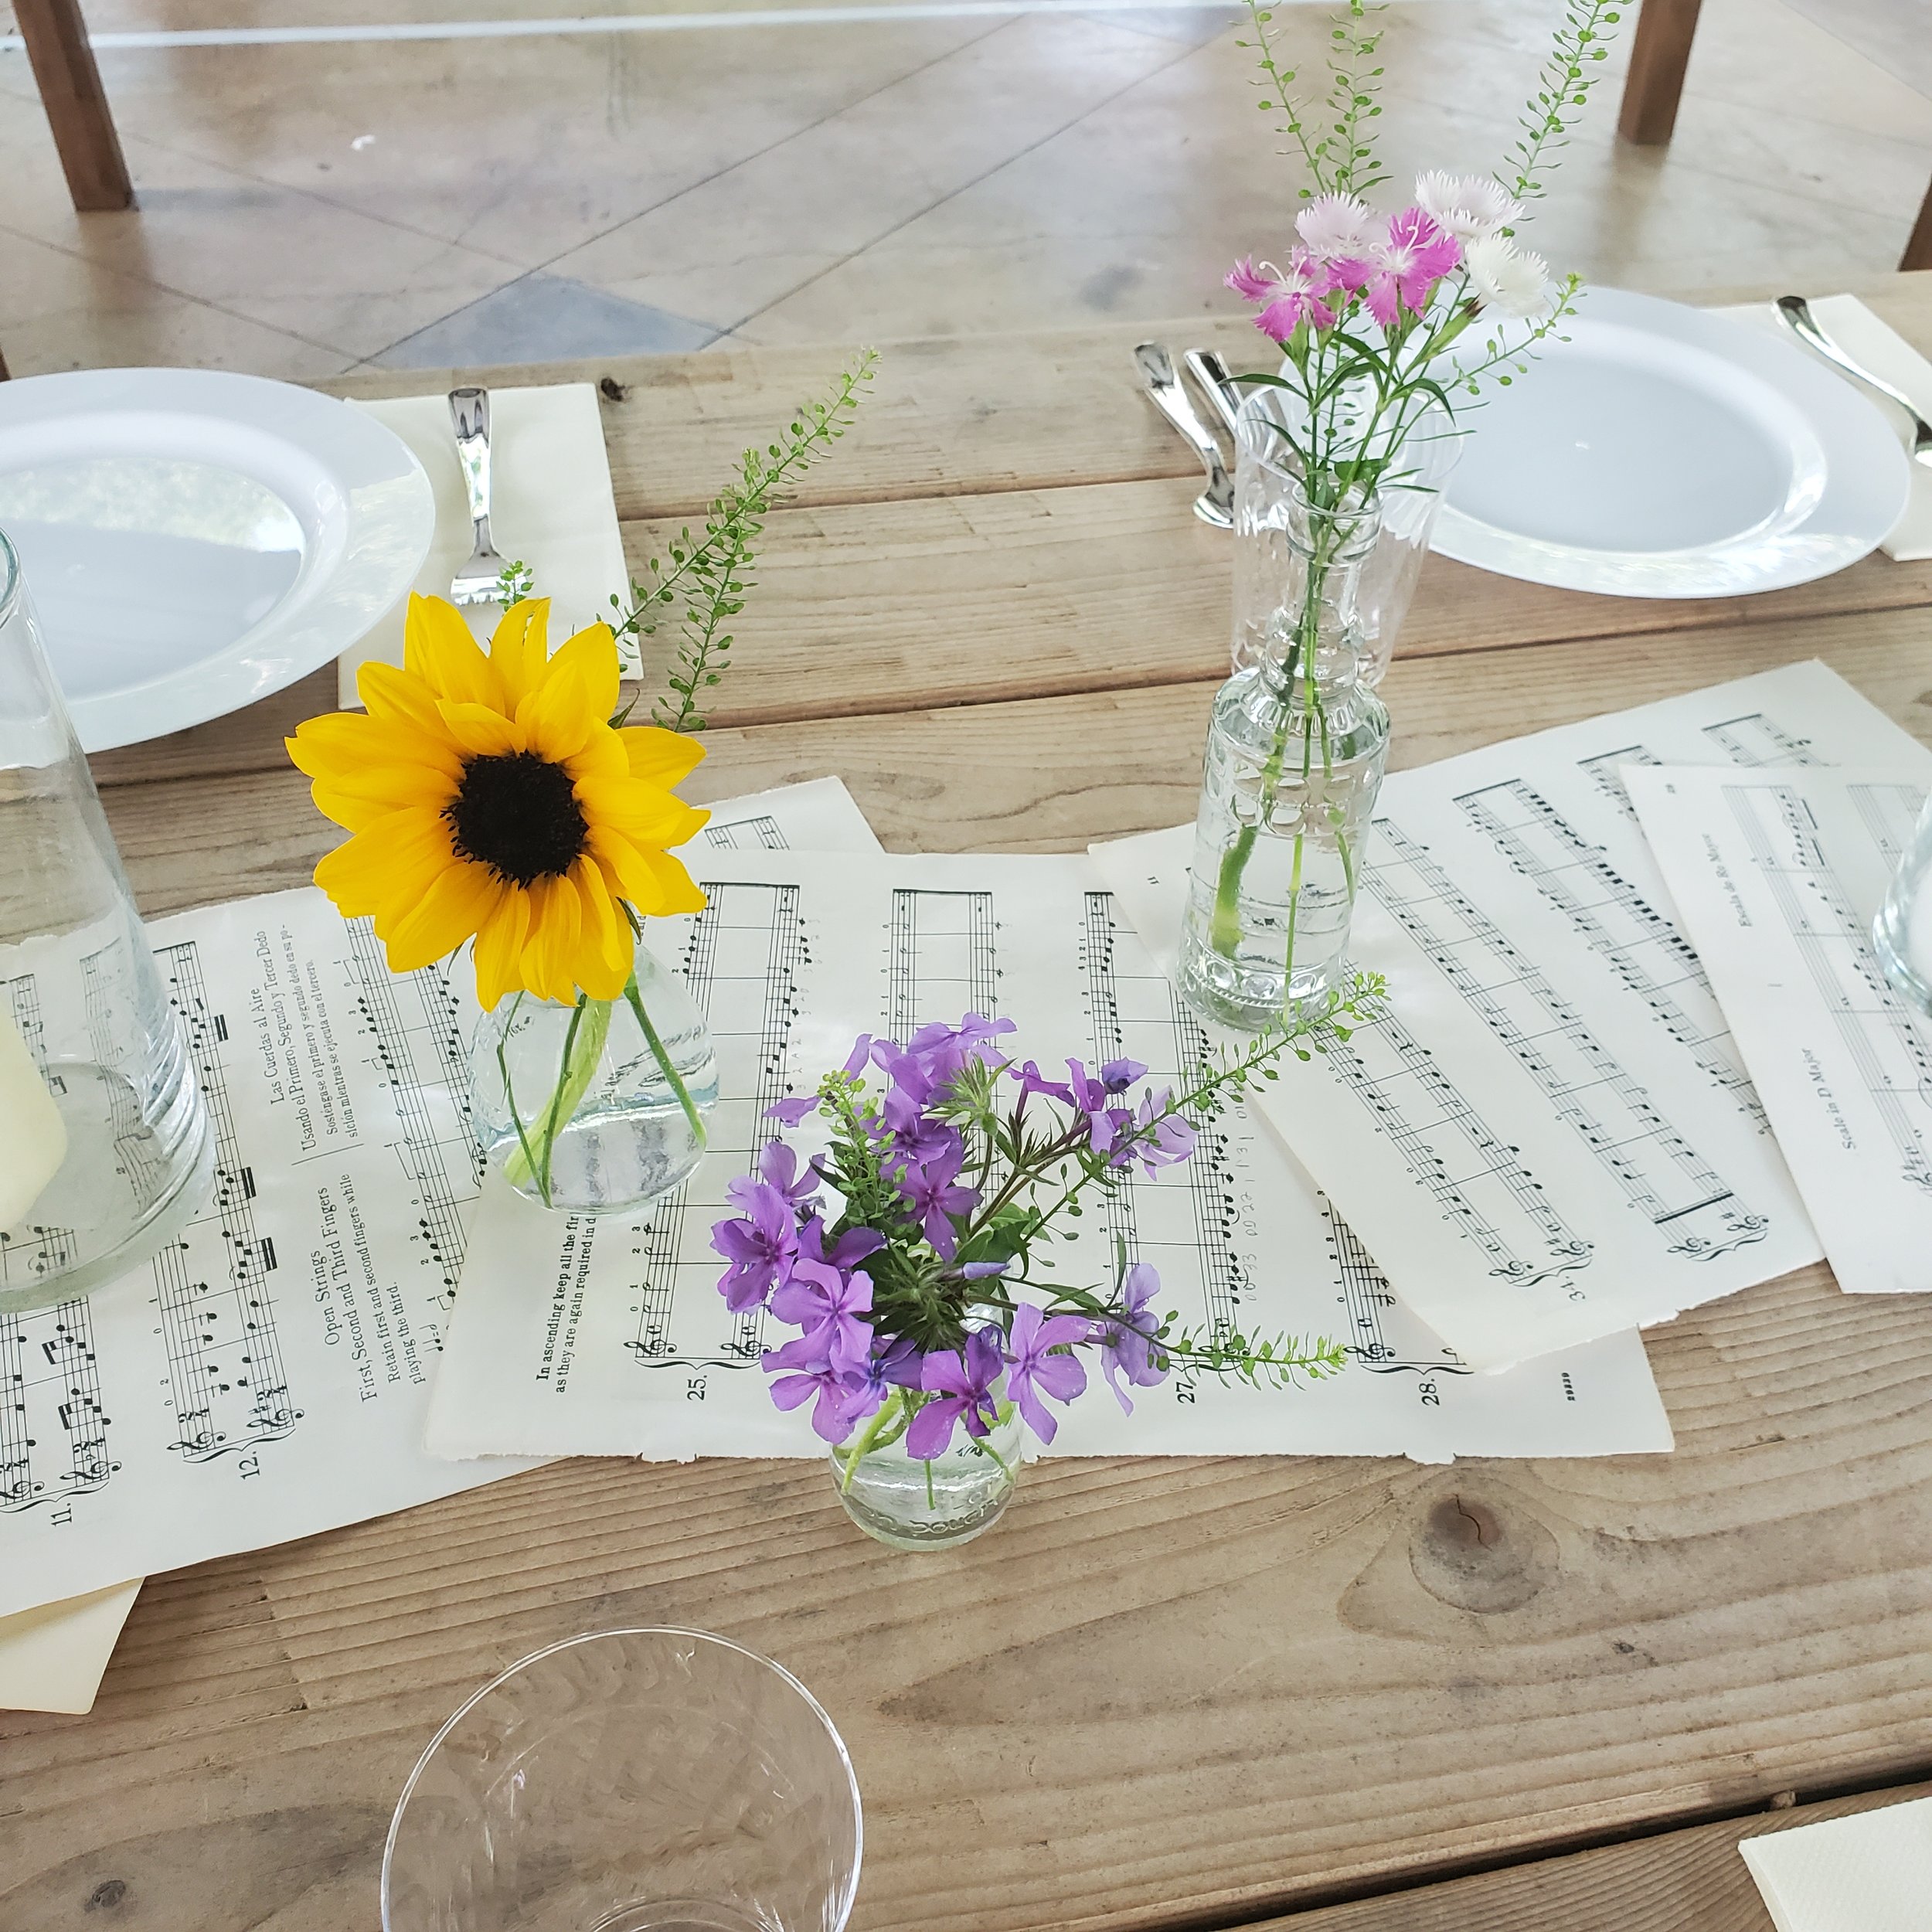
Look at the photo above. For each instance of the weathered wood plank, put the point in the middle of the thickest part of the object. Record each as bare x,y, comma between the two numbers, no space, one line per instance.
1689,1881
972,600
949,416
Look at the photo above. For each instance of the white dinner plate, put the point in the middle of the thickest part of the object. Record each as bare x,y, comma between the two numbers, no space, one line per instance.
193,540
1663,451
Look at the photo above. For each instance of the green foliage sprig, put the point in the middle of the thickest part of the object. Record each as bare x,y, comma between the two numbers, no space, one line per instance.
708,576
1569,72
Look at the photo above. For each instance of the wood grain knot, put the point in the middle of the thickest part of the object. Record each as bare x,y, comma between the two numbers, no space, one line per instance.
1470,1554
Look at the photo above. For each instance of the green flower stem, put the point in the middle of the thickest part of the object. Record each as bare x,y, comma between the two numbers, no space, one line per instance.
583,1042
895,1409
664,1066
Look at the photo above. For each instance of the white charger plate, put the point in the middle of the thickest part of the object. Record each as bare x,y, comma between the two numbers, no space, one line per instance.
193,540
1663,451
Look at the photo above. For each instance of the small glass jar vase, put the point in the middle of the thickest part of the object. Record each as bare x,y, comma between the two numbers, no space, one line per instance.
1297,743
1902,932
105,1148
914,1505
598,1108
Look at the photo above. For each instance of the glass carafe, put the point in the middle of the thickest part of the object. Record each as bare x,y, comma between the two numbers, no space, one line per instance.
104,1145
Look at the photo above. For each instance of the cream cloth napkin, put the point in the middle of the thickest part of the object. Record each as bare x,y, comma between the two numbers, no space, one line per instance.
551,508
1869,1873
1885,352
52,1658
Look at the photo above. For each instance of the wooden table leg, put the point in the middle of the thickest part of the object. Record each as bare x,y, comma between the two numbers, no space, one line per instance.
1918,251
77,104
1657,58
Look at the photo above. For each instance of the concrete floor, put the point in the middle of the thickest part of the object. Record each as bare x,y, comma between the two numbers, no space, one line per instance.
305,208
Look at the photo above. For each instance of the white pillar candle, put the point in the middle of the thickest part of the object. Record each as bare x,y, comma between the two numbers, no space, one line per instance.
33,1138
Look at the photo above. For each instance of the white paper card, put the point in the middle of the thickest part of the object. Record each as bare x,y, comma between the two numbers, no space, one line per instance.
1776,876
611,1337
53,1658
551,507
268,1376
1869,1873
1551,1136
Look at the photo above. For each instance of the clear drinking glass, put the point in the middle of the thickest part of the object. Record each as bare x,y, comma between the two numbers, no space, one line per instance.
105,1151
624,1138
629,1780
1902,932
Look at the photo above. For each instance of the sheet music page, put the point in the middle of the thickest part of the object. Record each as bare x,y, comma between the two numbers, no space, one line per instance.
267,1374
1552,1137
610,1337
1776,876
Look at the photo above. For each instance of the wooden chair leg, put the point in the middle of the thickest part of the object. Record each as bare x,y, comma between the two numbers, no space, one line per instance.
3,368
1658,56
1918,251
77,111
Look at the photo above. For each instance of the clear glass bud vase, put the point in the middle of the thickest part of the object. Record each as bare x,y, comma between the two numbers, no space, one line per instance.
914,1505
597,1108
1297,743
105,1150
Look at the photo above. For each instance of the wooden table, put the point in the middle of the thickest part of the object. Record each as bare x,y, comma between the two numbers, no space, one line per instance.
1163,1693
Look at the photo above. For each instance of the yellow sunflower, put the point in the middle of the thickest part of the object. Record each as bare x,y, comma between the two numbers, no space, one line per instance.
489,797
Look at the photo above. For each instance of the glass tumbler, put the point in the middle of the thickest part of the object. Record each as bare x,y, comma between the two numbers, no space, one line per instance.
1902,932
629,1780
105,1151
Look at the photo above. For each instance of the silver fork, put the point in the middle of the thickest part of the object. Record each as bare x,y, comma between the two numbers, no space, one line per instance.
480,580
1796,312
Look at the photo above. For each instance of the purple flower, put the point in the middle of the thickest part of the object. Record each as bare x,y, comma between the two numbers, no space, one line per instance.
1170,1141
832,1415
761,1247
942,1052
1033,1369
846,1252
1032,1081
1127,1342
891,1366
964,1385
930,1190
779,1165
828,1305
789,1113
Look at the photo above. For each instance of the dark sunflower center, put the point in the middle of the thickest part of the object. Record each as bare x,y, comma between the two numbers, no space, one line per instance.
518,814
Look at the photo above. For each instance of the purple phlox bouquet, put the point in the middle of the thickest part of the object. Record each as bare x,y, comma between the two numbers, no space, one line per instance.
1365,305
914,1257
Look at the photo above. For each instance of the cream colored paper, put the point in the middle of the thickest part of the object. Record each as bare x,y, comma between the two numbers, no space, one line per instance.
1885,352
551,509
1869,1873
52,1658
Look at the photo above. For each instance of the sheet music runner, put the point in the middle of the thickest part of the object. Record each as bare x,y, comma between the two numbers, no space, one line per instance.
268,1375
610,1337
1552,1137
1776,876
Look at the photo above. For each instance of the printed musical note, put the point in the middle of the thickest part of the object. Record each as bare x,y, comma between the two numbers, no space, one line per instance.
53,1426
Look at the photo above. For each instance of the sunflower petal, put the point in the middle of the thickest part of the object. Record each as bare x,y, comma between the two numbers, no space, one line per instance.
558,718
592,655
602,965
557,921
520,648
339,743
658,757
644,814
392,860
395,697
462,895
600,756
481,731
437,647
655,884
499,947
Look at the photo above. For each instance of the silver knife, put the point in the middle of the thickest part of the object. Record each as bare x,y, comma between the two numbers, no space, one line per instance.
1216,504
1796,314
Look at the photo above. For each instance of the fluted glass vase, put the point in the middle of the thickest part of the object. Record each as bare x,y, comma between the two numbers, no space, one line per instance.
597,1108
1297,743
911,1504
